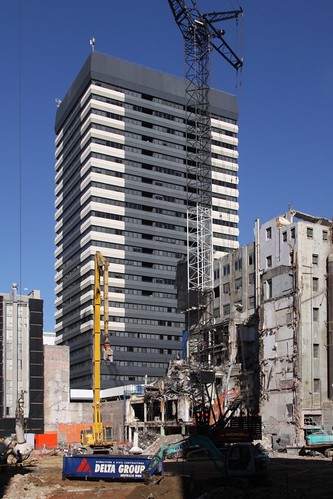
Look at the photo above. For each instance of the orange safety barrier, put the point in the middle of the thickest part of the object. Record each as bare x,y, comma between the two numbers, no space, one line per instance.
46,440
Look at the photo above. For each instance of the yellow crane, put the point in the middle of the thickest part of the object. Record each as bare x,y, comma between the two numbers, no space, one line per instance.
99,436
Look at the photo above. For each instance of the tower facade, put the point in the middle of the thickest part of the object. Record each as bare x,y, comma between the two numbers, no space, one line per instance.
121,189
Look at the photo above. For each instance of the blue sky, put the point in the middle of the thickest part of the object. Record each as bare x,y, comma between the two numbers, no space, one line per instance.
285,95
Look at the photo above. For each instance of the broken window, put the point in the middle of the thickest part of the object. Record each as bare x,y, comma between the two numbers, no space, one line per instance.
315,259
226,269
309,233
238,264
251,278
238,283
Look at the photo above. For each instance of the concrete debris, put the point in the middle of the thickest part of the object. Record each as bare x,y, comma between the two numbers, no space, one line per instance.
162,440
182,378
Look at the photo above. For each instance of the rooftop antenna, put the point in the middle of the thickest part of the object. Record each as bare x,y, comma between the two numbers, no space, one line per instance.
92,44
15,289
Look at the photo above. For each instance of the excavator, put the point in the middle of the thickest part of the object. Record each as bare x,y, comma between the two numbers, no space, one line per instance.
99,437
15,449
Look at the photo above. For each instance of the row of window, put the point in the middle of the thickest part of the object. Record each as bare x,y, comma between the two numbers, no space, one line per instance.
269,259
135,235
237,306
158,100
86,380
147,336
137,363
268,289
136,306
140,207
148,322
309,234
161,351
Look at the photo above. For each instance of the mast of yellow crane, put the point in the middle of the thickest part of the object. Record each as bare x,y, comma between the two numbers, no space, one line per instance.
101,267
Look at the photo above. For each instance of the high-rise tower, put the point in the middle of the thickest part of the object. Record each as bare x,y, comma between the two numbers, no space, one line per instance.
121,189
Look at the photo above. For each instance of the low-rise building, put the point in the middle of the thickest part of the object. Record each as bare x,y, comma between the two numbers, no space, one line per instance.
21,354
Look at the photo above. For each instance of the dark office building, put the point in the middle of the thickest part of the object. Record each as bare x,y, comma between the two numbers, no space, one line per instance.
121,190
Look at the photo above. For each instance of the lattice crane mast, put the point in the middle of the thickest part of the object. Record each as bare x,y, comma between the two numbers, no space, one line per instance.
201,34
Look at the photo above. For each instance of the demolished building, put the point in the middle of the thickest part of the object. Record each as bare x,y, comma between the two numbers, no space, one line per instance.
272,308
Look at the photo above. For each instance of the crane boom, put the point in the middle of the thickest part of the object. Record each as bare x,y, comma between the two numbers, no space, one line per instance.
188,17
201,34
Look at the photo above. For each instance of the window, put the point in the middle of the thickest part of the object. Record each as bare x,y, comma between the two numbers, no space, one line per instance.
316,385
268,289
251,278
309,233
284,236
226,288
291,258
325,235
251,259
251,302
238,283
292,233
238,264
315,351
315,259
226,309
269,261
269,233
315,283
226,269
315,314
289,317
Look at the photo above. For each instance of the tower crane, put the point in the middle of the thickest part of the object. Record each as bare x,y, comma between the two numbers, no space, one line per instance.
201,35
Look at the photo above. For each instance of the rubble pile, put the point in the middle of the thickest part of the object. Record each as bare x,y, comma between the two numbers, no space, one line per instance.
182,378
160,441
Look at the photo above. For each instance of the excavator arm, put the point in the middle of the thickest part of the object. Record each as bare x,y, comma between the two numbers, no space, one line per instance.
239,459
195,441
